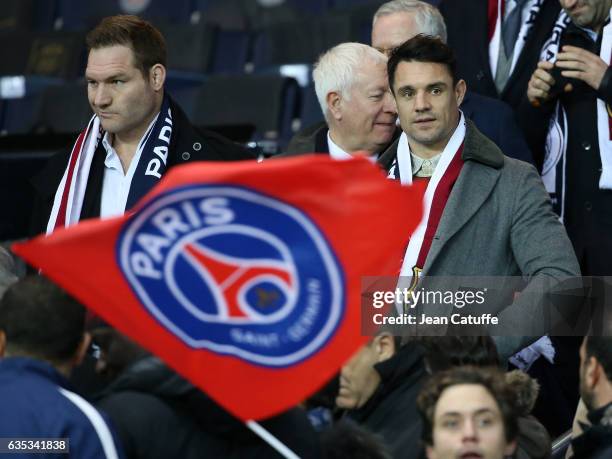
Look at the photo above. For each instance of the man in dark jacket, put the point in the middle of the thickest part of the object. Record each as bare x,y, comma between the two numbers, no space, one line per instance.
378,388
596,392
158,414
576,93
42,337
136,134
476,35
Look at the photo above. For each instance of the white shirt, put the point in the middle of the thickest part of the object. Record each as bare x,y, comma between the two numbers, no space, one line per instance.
116,184
339,154
419,163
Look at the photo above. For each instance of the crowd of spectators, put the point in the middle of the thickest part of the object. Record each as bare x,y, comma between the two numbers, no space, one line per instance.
499,108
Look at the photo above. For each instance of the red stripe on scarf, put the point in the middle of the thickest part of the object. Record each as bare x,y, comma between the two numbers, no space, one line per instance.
492,8
438,203
76,152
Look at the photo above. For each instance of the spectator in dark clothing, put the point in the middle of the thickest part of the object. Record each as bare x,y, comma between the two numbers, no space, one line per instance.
42,338
468,412
596,392
445,352
378,388
158,414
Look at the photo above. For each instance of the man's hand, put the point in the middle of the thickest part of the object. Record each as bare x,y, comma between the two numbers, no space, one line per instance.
540,83
581,64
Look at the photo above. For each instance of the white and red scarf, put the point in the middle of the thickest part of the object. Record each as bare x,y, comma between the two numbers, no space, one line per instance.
554,168
436,195
495,15
153,152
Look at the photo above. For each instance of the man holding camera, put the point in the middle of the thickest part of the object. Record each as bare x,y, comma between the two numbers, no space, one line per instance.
572,86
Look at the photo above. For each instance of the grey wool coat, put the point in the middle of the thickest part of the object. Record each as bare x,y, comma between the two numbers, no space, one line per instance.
498,221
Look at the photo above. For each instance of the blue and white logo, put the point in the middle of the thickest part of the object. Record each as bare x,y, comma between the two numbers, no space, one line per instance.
231,270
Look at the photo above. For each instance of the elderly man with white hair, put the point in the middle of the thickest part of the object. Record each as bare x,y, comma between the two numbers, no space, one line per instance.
353,90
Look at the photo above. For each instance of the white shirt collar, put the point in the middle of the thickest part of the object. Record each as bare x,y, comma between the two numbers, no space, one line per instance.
339,154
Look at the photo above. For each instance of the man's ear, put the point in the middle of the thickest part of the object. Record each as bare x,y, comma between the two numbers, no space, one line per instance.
384,346
334,105
157,77
82,349
460,89
594,371
2,343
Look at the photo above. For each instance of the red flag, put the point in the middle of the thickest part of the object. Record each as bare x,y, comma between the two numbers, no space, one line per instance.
243,277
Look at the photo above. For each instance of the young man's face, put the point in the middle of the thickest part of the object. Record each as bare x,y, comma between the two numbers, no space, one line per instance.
427,103
118,93
468,424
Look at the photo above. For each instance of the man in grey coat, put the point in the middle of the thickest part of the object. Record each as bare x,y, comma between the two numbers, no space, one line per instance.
485,214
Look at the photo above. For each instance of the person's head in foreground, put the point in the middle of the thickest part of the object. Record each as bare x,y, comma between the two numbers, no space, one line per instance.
39,320
468,412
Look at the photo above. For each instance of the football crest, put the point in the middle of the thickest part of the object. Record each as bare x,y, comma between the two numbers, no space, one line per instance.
234,271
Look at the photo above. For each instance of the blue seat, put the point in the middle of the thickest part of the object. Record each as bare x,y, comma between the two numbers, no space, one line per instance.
268,102
231,51
299,41
80,15
315,7
189,46
58,109
311,110
20,115
27,14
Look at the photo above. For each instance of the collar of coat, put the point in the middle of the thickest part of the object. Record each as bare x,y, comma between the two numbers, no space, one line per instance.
477,148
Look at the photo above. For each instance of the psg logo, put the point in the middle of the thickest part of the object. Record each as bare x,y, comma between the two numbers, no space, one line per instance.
228,269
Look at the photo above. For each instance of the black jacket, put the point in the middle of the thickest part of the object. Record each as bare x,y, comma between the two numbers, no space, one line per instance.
588,210
391,411
187,144
596,441
466,23
158,414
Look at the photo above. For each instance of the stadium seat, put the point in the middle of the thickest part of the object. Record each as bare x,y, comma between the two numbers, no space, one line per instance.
269,102
231,51
189,47
300,41
58,109
57,54
311,110
80,15
27,15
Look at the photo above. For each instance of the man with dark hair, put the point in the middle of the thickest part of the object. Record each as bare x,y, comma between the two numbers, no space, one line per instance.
378,388
397,21
596,392
468,412
42,338
485,214
136,134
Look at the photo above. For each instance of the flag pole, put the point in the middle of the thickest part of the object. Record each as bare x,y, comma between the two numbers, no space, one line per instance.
271,440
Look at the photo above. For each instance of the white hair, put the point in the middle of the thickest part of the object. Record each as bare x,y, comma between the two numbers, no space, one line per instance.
427,17
336,69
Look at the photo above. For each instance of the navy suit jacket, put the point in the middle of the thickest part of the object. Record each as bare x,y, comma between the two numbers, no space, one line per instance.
495,119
